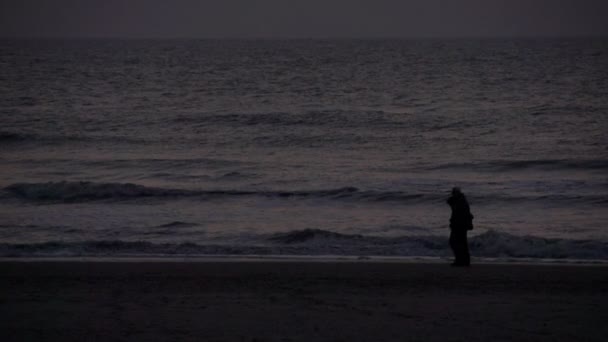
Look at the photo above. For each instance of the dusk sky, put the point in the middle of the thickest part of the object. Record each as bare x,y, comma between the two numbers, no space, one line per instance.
302,18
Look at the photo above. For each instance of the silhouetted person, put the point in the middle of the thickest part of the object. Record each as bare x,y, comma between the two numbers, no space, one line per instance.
461,221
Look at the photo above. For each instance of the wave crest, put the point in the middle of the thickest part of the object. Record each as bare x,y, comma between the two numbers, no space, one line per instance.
300,236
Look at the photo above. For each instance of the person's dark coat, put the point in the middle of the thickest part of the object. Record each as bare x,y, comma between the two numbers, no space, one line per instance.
461,222
461,218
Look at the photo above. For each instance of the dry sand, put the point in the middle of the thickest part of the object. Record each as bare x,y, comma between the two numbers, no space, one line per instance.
301,301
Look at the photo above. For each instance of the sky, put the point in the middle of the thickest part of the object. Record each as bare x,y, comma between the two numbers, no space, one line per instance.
302,18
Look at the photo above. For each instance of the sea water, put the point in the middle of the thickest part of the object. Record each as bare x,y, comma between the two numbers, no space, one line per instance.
302,147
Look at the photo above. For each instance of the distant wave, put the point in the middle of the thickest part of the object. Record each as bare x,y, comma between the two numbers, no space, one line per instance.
327,117
90,191
514,165
159,163
490,244
86,191
14,137
9,137
23,138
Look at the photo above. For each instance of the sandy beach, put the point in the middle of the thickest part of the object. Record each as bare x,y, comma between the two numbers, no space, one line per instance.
301,301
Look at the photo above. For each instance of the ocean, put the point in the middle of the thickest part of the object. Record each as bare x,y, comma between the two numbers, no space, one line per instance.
317,148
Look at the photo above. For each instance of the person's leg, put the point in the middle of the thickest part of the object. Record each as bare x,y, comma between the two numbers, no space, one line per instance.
454,246
466,257
460,247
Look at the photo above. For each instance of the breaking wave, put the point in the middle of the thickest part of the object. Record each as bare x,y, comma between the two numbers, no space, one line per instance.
314,242
489,244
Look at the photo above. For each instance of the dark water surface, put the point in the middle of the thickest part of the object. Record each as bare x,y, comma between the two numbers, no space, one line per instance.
302,147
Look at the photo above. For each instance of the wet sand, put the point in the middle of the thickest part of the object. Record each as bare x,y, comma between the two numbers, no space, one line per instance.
301,301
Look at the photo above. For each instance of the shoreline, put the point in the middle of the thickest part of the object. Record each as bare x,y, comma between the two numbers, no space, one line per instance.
228,258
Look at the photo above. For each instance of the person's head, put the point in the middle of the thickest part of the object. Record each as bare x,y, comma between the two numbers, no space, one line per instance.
456,191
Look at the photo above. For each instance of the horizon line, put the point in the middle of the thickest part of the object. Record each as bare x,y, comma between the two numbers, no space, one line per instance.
387,37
